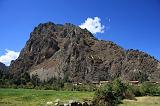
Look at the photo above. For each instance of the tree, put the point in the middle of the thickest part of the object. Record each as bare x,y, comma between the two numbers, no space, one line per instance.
104,96
35,80
119,89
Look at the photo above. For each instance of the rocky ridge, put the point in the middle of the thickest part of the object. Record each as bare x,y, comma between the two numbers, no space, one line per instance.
71,53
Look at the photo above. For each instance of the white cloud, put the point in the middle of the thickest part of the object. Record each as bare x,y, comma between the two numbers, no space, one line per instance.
93,25
9,56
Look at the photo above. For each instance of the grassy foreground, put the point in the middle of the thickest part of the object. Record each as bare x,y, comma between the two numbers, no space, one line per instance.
31,97
142,101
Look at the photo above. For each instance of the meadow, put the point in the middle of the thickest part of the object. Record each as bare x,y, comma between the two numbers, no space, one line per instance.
32,97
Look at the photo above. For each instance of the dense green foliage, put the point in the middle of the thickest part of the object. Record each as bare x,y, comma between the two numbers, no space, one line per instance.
150,89
24,81
113,93
4,77
110,94
104,96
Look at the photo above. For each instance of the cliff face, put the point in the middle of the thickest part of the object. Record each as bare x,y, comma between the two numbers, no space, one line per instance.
69,52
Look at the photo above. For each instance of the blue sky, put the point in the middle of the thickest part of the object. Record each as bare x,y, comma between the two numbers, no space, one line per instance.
129,23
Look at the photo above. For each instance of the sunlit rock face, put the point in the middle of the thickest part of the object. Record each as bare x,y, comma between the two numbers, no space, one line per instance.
67,51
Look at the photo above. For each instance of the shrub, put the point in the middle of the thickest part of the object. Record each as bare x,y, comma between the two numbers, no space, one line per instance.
110,94
68,87
119,89
158,90
150,89
29,85
134,90
104,96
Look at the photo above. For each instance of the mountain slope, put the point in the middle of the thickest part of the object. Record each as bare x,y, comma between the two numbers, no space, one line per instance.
71,53
3,71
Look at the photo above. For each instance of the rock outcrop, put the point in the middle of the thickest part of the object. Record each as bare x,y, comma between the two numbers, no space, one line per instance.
69,52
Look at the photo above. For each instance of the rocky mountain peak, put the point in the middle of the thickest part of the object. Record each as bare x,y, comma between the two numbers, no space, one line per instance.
69,52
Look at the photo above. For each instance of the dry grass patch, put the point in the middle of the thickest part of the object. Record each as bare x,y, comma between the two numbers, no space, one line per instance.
142,101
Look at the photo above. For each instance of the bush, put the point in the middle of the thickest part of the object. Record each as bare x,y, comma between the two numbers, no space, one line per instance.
144,89
158,90
68,87
82,87
134,90
85,87
104,96
110,94
119,89
150,89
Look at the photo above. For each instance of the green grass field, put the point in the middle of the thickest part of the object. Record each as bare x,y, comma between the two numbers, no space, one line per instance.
31,97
